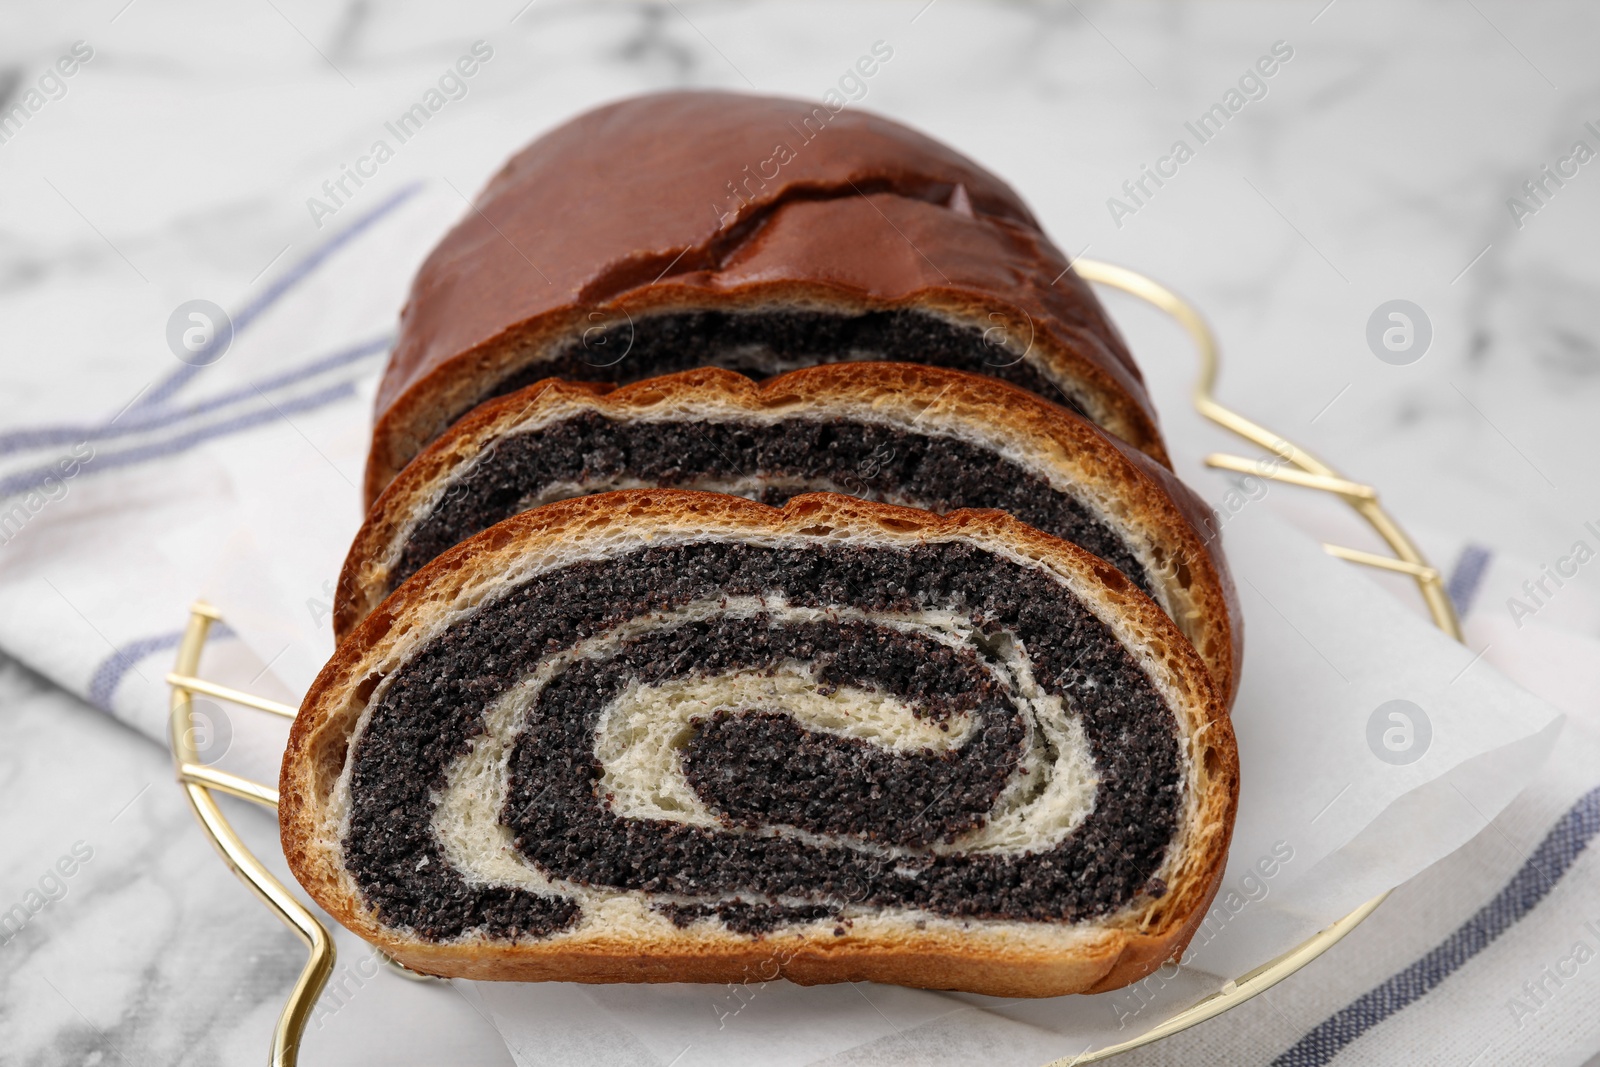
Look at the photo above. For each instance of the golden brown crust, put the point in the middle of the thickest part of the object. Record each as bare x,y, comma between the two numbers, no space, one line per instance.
999,958
1177,525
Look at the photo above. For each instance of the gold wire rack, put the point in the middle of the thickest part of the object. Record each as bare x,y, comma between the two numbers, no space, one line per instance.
1292,466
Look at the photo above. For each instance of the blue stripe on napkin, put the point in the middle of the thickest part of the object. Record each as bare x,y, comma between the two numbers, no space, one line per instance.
104,461
103,683
290,278
32,437
1467,577
1549,862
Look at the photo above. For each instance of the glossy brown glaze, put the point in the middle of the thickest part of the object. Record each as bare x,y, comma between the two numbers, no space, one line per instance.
693,199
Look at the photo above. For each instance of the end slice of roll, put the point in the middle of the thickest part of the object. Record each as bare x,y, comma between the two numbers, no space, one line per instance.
637,240
901,433
674,736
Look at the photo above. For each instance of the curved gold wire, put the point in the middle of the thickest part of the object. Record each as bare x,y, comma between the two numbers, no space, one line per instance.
1205,342
198,780
1313,474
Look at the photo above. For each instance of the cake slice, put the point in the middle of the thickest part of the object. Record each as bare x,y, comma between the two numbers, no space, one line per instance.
676,736
901,433
688,229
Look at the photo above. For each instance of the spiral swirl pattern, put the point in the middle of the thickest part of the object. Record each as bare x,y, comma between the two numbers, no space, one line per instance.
760,734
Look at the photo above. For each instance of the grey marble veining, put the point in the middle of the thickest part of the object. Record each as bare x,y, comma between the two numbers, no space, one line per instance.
1381,162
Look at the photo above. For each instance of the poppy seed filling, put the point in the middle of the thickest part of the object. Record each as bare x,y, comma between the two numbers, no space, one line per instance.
866,459
810,825
759,344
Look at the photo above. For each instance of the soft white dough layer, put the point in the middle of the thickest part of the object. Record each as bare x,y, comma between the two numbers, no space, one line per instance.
643,730
642,733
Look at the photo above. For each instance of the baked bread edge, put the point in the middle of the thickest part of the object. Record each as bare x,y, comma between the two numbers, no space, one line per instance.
1168,518
995,957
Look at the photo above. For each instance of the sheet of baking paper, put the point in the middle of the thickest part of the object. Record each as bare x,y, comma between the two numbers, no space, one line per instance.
1340,801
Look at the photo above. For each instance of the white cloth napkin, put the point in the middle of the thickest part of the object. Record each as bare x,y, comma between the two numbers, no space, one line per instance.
236,481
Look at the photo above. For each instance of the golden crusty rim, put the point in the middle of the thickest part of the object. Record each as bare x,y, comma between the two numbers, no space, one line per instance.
1176,524
1001,958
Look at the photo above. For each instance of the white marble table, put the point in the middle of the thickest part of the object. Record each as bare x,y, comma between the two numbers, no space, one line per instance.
1374,164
